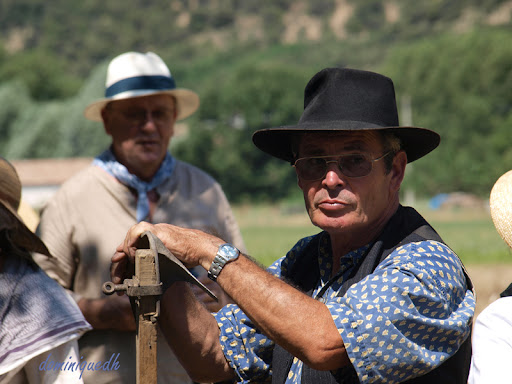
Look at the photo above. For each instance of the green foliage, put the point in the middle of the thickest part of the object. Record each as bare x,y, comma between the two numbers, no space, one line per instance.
45,75
14,100
53,59
369,15
459,87
219,141
32,129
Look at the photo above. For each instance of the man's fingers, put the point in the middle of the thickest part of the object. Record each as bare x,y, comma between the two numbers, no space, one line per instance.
119,268
119,256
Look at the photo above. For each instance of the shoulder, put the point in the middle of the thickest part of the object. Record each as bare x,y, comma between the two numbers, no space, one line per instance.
184,169
431,262
82,181
497,316
80,187
426,253
191,181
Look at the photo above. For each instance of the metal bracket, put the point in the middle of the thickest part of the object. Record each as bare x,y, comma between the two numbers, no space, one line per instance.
133,288
156,268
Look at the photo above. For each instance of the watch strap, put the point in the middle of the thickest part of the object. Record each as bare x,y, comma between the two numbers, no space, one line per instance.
216,267
220,260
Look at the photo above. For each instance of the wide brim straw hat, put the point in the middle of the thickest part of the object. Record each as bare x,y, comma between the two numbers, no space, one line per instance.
342,99
10,197
500,202
135,74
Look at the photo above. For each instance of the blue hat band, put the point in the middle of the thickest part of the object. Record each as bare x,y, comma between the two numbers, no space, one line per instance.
141,82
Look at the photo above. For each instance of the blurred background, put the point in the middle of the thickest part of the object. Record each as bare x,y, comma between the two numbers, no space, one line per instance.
249,60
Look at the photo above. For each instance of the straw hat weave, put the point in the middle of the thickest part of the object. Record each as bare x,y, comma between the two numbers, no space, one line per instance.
10,220
501,206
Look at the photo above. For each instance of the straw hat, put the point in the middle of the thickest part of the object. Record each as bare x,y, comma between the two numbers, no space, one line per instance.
342,99
135,74
501,206
10,196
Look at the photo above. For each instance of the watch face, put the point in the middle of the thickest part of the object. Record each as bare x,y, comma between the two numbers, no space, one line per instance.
228,251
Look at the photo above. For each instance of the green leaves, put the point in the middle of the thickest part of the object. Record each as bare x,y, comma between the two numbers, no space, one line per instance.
460,87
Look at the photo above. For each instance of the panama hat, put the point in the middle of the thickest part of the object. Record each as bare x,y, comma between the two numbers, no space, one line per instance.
342,99
501,206
134,74
10,196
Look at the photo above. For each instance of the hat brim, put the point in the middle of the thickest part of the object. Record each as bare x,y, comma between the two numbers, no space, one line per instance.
416,141
188,102
28,239
500,204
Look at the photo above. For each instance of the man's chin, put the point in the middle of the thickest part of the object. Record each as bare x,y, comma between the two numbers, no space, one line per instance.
330,223
150,157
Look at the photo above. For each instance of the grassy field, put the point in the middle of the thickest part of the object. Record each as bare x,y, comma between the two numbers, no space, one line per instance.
270,231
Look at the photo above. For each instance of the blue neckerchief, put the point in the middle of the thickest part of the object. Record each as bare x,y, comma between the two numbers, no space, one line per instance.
108,162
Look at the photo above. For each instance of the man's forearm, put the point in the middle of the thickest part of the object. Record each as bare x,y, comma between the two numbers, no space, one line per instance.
287,316
193,334
297,322
113,312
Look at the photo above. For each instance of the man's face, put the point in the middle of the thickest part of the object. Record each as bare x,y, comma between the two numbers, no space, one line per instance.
141,129
343,205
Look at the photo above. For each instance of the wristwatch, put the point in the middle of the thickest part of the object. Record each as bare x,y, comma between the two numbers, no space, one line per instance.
225,254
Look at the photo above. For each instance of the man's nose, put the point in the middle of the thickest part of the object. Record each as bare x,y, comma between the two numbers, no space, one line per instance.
149,120
333,176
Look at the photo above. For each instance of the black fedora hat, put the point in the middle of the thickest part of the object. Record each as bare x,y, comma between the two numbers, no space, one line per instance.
342,99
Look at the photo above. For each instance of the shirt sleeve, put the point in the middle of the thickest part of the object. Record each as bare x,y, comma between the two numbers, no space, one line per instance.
492,344
407,317
56,231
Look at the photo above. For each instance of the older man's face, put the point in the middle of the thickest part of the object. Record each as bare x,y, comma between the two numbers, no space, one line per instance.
141,129
347,207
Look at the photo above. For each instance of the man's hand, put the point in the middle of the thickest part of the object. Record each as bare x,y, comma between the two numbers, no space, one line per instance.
192,247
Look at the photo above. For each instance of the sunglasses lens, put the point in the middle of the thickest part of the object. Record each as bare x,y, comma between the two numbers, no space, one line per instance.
311,168
355,165
315,168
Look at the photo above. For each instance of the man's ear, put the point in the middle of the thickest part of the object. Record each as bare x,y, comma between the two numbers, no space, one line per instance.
398,170
298,178
105,117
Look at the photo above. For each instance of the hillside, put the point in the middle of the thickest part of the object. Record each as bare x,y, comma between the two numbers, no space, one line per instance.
450,60
75,37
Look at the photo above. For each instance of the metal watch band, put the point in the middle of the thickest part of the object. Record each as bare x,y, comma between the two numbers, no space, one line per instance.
225,254
215,268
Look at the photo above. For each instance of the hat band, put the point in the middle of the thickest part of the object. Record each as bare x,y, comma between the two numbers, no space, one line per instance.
139,83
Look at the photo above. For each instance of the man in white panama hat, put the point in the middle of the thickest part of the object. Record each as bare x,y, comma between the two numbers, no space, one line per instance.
135,179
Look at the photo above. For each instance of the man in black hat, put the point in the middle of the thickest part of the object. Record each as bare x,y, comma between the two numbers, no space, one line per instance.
376,297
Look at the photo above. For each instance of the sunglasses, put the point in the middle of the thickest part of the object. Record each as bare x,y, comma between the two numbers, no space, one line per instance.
351,165
138,116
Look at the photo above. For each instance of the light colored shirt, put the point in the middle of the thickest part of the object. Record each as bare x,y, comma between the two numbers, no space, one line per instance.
403,320
492,344
89,217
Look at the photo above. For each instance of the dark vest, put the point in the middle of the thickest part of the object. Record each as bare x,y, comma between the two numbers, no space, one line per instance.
405,226
507,292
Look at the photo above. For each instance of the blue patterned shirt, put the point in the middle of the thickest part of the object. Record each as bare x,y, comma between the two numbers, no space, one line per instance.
406,318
